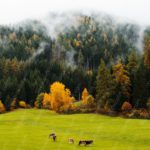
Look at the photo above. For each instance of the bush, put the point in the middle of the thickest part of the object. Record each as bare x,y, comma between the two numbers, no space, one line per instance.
75,108
126,106
144,114
148,103
28,106
2,107
79,107
39,101
139,113
90,101
13,104
22,104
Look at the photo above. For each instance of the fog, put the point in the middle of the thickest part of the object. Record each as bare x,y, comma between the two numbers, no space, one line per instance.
17,10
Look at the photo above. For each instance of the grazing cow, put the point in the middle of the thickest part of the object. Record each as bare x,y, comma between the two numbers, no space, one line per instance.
85,142
71,140
53,135
54,138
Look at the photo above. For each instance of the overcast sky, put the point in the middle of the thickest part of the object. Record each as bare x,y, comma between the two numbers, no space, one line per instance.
12,11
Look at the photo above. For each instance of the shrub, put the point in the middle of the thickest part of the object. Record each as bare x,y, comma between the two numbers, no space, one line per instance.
22,104
78,104
126,106
13,104
148,103
139,113
28,106
144,114
90,101
2,107
39,101
75,108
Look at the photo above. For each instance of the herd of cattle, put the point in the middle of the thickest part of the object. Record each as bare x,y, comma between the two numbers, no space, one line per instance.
71,140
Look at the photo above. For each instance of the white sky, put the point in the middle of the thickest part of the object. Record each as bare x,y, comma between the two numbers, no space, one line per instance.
12,11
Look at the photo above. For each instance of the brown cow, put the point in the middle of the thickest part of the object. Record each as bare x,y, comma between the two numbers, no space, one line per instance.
85,142
53,135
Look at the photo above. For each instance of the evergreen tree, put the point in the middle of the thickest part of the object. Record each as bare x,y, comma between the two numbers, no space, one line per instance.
105,87
132,67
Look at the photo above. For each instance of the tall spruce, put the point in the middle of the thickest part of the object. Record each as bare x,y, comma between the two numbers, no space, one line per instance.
105,87
132,67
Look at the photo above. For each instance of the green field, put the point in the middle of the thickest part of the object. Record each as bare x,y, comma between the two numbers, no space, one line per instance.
29,130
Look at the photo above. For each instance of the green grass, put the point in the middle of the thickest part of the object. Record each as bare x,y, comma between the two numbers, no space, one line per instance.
29,130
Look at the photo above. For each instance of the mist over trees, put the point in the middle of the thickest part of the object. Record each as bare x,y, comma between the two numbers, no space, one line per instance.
31,59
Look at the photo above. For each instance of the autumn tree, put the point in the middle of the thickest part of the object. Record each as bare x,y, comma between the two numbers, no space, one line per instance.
61,98
85,94
2,107
90,101
147,51
105,86
122,78
22,104
39,100
46,100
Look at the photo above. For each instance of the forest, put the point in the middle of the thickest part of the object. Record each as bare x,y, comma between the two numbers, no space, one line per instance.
94,64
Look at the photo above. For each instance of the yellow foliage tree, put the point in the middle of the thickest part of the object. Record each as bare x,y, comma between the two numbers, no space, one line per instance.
2,107
22,104
122,78
85,94
61,98
47,101
147,51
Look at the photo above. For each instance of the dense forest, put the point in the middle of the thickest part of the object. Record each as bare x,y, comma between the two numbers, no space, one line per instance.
97,53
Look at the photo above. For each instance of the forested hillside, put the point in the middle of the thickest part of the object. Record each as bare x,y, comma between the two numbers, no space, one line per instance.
97,53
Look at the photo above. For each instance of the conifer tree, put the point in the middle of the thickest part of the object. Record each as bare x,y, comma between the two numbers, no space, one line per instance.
105,87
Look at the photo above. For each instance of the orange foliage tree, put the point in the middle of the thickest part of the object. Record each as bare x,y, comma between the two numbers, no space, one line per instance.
22,104
47,101
122,78
2,107
60,97
126,106
85,94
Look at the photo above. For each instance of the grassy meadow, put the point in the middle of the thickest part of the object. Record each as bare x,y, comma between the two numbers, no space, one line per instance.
29,129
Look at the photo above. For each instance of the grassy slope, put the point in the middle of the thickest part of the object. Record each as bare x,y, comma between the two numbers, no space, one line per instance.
29,130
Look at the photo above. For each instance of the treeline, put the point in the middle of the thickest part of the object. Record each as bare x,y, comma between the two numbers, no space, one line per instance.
31,60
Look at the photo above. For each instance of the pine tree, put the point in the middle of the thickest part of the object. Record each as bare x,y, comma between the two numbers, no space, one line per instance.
80,59
132,67
105,86
132,63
